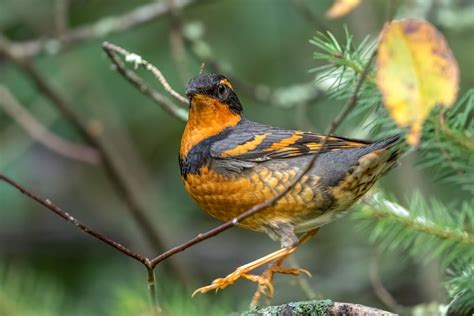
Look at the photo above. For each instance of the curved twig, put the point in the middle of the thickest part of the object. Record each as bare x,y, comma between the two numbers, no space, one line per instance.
113,24
117,176
170,107
138,60
41,133
71,219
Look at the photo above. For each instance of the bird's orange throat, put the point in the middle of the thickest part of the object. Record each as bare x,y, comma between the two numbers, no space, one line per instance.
207,117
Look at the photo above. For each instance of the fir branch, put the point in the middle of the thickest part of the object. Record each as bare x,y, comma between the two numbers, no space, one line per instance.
427,230
342,60
460,288
448,143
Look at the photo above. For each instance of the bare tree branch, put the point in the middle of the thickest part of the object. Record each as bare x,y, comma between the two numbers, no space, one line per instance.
61,17
90,231
379,289
68,217
137,81
41,133
138,60
118,178
105,26
177,45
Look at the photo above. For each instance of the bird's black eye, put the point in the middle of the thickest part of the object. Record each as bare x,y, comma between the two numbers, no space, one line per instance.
222,91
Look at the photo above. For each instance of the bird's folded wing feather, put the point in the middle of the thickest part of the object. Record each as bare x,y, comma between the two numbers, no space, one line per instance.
257,142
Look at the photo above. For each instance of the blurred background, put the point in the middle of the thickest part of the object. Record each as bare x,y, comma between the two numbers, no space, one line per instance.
49,267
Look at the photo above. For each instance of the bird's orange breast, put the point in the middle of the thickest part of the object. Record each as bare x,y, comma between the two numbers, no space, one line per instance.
226,196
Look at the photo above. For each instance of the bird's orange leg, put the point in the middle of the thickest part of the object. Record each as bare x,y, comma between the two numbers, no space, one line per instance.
266,278
265,283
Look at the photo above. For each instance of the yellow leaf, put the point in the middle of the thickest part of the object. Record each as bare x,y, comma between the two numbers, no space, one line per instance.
341,7
416,70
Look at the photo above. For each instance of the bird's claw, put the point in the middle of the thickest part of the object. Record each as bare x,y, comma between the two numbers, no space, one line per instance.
222,283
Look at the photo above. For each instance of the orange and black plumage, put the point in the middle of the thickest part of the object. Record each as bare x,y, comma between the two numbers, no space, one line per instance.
229,164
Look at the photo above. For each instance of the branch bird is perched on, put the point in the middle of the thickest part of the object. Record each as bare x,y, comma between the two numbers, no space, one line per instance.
230,164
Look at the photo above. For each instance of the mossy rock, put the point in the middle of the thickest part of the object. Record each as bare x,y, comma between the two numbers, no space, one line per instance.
316,308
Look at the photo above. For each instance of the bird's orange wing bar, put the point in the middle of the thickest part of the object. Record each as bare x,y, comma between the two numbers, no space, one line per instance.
278,143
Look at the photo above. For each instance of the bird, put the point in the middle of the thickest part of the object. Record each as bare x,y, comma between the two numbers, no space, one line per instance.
229,164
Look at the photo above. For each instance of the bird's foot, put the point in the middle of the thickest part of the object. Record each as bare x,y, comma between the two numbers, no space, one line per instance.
244,272
265,280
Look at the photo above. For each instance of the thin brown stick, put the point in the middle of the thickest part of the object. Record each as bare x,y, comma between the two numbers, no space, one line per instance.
90,231
138,60
41,133
152,288
379,289
111,50
118,178
303,282
177,45
61,17
105,26
68,217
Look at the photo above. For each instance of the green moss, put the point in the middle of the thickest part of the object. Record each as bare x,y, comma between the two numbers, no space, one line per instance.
313,308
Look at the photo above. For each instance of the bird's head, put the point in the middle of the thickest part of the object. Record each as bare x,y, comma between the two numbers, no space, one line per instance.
213,108
209,89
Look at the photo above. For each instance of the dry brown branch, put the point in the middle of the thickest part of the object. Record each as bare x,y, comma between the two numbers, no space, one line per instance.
68,217
137,81
118,176
303,282
105,26
380,291
41,133
138,60
61,17
177,44
90,231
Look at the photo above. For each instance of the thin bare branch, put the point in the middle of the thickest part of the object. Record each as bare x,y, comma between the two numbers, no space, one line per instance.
117,176
303,282
41,133
379,289
170,107
68,217
105,26
152,288
177,44
92,232
138,60
61,17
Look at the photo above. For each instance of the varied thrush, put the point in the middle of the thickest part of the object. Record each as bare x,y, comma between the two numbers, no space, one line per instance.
229,164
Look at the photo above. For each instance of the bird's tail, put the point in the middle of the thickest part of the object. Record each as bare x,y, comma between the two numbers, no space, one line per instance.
391,145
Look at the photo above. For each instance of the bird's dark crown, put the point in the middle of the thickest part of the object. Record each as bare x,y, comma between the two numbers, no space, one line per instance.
215,86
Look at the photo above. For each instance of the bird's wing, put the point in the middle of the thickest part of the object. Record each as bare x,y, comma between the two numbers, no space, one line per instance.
253,142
